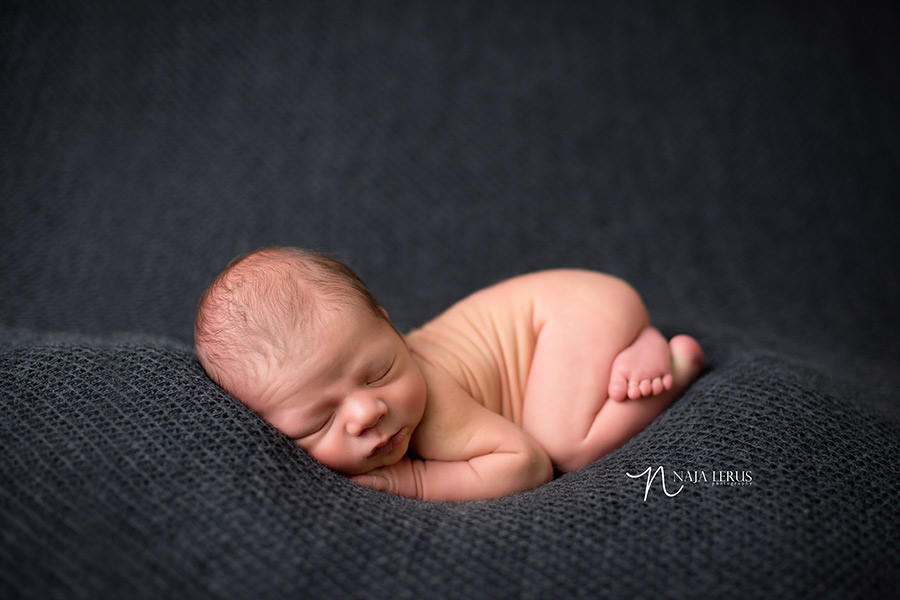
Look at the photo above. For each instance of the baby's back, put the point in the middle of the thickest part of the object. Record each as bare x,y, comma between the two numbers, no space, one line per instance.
486,341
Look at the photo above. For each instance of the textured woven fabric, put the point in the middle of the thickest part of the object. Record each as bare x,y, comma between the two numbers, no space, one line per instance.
739,166
128,474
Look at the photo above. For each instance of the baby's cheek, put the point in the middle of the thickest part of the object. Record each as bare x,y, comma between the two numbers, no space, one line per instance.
417,392
330,456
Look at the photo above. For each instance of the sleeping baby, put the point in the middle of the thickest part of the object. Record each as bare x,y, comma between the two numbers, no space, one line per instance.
549,369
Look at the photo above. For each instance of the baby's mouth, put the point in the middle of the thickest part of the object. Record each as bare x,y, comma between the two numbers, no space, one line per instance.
392,442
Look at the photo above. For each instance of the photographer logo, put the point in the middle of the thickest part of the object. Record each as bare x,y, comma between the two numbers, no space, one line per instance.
677,480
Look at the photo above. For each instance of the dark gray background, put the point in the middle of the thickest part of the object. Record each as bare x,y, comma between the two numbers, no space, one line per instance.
737,164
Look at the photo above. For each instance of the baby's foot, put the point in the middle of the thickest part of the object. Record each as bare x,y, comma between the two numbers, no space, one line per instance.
642,369
687,361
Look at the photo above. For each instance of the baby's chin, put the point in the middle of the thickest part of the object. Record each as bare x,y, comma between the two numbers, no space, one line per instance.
370,464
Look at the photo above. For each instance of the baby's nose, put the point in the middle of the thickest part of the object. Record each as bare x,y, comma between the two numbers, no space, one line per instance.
364,412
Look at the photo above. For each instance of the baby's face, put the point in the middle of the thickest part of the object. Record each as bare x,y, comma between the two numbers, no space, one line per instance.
354,400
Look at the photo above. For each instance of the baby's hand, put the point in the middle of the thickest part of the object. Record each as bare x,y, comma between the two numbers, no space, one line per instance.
398,478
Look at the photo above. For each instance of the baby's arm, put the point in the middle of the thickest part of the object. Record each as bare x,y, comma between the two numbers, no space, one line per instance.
470,452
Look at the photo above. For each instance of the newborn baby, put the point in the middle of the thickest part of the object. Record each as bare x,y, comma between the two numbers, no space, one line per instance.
554,368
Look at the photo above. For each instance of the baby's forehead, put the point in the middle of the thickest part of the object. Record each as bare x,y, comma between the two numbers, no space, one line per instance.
346,337
332,320
340,316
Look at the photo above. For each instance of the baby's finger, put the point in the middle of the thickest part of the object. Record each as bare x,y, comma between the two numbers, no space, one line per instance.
375,482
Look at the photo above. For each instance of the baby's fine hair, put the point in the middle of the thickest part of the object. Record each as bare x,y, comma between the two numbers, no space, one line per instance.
262,300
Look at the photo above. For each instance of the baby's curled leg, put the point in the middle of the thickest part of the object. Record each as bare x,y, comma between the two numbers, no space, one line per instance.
569,376
567,408
617,422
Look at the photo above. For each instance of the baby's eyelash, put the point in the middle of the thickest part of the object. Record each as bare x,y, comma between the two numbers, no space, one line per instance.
315,429
384,373
325,424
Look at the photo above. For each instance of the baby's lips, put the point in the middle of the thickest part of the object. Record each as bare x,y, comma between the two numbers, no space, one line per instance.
389,444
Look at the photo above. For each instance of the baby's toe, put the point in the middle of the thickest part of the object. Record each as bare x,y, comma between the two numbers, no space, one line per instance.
634,390
657,386
667,381
618,389
646,387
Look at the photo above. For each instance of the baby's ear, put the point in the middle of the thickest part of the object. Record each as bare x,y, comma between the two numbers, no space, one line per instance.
384,312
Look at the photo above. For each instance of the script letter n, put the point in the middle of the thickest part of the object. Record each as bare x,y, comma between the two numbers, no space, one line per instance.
650,477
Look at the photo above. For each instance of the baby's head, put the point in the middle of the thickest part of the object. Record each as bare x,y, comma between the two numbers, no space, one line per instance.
296,336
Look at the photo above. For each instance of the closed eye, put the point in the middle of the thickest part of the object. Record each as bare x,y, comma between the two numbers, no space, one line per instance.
326,423
321,426
382,375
